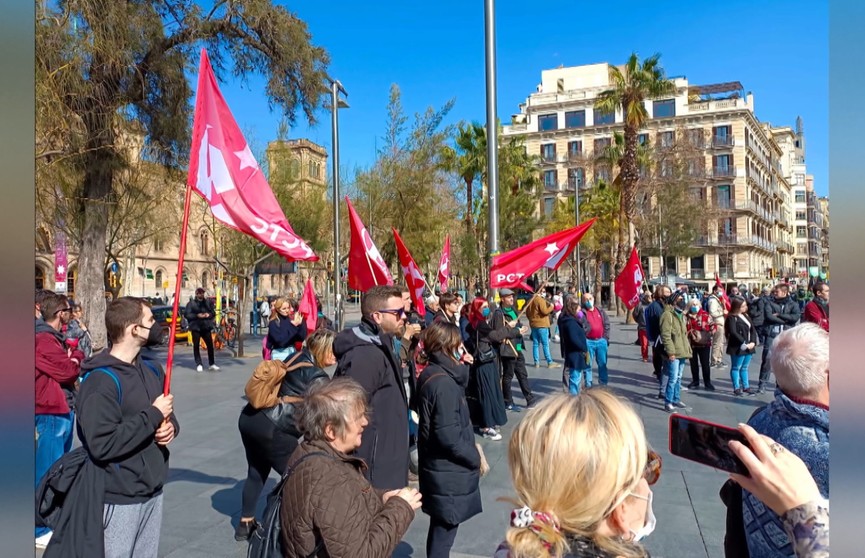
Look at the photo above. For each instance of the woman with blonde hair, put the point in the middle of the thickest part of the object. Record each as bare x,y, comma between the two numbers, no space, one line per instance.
595,447
286,330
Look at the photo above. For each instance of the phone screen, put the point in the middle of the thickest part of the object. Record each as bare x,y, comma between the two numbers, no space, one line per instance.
706,443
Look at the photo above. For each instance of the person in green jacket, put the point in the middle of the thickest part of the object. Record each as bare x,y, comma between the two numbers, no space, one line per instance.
677,350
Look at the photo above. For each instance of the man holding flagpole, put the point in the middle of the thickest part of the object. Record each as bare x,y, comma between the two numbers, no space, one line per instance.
511,351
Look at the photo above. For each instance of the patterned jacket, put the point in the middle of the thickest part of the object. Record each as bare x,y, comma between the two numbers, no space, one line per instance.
808,528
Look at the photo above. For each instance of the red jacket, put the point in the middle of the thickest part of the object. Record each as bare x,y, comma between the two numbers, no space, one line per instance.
702,321
55,366
815,313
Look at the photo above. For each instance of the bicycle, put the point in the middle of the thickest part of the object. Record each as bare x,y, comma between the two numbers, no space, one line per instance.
227,331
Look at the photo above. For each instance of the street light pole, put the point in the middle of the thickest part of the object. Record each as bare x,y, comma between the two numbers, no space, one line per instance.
335,104
577,224
492,126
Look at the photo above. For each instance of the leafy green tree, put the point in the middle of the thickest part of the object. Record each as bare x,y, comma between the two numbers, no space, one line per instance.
102,64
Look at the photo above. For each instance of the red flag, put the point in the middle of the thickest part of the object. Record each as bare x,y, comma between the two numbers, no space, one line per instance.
223,171
445,265
723,292
366,268
630,280
309,306
509,269
413,277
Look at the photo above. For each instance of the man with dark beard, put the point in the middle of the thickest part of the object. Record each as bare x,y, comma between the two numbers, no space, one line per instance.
779,314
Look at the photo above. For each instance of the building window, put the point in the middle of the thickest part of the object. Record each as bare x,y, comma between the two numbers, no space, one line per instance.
601,118
548,206
273,281
800,216
575,148
800,197
643,139
696,167
294,169
801,231
548,122
575,119
725,230
603,173
665,169
722,165
40,278
601,144
205,280
315,169
666,139
671,263
576,178
664,109
204,240
698,266
722,136
71,275
550,178
548,152
158,279
723,196
695,137
157,245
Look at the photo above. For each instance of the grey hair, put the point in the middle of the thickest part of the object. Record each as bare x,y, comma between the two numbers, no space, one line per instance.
800,360
329,402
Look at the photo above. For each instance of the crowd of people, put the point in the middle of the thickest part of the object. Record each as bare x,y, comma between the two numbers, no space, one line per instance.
343,445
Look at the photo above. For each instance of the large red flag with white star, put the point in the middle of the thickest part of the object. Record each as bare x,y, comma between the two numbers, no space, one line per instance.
445,265
512,268
224,172
414,279
366,267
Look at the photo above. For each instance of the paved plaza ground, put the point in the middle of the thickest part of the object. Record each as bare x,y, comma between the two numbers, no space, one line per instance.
202,496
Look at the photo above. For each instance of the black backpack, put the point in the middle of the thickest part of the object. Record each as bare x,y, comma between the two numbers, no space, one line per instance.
266,542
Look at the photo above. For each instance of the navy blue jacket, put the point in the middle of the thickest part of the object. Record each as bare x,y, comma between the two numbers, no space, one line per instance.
653,321
281,333
574,344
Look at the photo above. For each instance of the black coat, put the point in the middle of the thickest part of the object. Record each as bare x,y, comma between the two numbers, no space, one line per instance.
780,314
196,307
282,334
574,345
365,354
738,331
295,383
449,462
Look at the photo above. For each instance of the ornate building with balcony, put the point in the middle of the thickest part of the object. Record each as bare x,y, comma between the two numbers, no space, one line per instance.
747,226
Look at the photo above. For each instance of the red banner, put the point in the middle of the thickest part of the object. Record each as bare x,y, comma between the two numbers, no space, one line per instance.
413,277
629,281
223,171
366,267
445,265
724,296
61,260
308,306
512,268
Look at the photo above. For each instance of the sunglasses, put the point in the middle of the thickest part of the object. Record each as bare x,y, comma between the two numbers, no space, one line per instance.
653,468
398,312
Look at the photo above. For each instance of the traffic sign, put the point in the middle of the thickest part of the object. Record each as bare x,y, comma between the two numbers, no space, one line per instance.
114,267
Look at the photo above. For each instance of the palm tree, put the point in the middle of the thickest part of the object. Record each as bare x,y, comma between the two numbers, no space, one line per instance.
631,86
469,160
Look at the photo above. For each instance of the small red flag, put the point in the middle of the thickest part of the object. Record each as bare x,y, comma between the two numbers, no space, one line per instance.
630,280
413,277
366,267
223,171
445,265
723,292
511,268
308,306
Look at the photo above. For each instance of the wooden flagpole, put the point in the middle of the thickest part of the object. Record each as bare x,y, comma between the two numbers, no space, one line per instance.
543,286
178,283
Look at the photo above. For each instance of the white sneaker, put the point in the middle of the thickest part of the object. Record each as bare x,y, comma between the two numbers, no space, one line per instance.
491,434
213,368
42,542
557,338
199,368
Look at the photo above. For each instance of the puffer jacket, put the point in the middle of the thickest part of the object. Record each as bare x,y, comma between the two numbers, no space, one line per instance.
674,334
329,497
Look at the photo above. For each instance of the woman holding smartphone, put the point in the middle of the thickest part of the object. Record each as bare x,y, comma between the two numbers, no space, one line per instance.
741,341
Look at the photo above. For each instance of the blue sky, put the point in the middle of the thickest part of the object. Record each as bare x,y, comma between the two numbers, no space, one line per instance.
435,51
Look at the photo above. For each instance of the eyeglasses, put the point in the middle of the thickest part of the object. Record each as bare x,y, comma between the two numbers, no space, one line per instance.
653,468
398,312
67,309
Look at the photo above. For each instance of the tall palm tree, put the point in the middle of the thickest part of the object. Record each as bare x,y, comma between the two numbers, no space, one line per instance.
631,85
469,160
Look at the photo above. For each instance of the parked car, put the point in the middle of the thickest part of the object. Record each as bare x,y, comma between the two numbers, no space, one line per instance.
163,316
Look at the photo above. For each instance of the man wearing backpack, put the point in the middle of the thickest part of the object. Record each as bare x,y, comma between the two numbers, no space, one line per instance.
125,424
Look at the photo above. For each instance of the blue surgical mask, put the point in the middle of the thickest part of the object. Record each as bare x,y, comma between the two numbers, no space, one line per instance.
485,312
589,304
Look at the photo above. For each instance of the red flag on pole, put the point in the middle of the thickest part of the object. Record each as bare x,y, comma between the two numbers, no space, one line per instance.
223,171
723,292
413,277
445,265
511,268
366,268
630,280
308,306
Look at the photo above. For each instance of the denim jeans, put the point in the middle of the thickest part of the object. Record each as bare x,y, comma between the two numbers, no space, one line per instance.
739,370
53,439
575,378
541,335
674,370
598,353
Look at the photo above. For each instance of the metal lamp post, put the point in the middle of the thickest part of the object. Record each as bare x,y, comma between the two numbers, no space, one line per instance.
492,126
335,104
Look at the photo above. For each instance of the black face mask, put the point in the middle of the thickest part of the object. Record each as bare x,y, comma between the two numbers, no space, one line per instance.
154,337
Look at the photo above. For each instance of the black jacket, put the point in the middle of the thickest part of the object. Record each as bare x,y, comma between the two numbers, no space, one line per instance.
653,320
449,462
780,314
295,383
756,311
574,345
117,426
738,331
365,354
195,307
281,333
505,332
483,338
70,501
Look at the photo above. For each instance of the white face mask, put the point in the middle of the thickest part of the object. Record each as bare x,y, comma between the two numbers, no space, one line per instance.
650,521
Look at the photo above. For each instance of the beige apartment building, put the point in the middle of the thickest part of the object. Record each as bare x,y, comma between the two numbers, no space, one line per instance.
747,226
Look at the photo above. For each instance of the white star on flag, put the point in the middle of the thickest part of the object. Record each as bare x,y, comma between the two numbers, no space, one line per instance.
61,269
246,158
556,255
551,248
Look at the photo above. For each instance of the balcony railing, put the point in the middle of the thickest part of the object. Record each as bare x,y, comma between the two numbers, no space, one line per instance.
548,159
735,240
698,273
723,141
724,172
575,157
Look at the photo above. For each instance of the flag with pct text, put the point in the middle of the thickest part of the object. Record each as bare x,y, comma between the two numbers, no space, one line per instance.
511,269
366,267
630,280
308,306
413,277
224,172
445,265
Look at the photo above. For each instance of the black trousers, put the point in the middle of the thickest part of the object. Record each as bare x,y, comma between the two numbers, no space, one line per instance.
511,367
440,538
657,360
266,448
765,368
197,336
700,356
